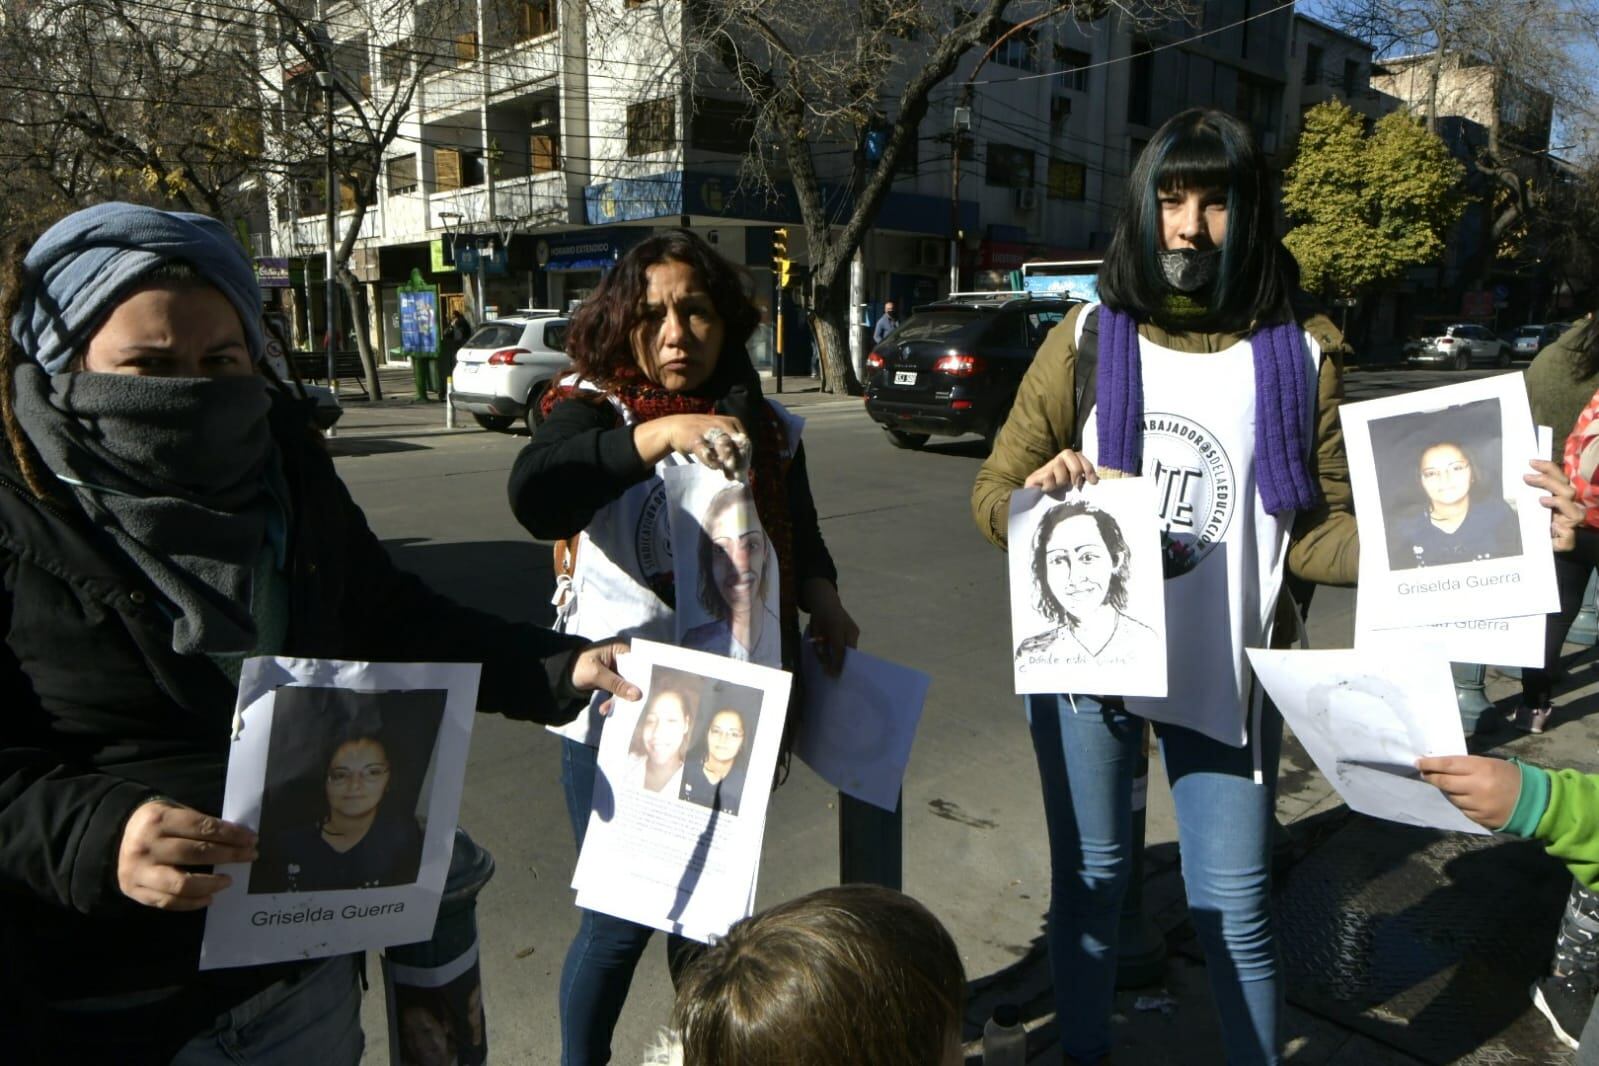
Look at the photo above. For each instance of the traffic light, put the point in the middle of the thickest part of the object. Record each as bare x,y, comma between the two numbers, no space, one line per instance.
780,260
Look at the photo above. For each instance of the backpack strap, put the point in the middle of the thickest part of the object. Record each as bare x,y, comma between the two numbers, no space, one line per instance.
1085,376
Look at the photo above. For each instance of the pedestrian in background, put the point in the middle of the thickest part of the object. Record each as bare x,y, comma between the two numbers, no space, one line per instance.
886,324
662,376
164,513
1204,371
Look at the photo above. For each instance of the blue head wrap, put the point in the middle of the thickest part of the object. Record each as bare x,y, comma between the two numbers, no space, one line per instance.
84,265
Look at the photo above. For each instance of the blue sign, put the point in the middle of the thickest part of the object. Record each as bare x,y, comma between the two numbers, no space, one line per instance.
468,259
634,199
419,322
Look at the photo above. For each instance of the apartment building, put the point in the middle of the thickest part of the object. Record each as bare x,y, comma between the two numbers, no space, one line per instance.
572,127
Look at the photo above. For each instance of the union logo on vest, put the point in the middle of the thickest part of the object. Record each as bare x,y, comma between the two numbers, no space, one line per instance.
1195,488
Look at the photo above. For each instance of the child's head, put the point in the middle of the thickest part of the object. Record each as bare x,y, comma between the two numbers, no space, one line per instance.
849,974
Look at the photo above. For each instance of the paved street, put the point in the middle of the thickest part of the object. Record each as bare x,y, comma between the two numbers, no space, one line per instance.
928,591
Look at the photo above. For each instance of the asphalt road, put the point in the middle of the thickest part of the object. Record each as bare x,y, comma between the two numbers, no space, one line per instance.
927,591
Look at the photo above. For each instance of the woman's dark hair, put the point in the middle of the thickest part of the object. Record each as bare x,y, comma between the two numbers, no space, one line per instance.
856,974
1202,149
710,595
1109,531
600,338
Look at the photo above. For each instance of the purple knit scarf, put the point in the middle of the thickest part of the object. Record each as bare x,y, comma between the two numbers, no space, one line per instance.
1282,389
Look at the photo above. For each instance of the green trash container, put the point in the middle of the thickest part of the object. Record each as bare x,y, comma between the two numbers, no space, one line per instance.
425,375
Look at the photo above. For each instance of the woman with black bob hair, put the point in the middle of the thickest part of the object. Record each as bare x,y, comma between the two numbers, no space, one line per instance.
661,377
1203,379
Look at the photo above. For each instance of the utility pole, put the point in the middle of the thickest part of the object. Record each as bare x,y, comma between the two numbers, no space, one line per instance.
957,139
780,267
324,78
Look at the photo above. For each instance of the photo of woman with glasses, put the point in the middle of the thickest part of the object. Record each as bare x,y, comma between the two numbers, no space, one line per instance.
714,774
1457,517
364,831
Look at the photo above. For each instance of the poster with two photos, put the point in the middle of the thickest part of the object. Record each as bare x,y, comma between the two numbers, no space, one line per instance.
1455,552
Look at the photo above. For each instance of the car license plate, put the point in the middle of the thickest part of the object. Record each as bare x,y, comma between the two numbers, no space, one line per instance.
904,377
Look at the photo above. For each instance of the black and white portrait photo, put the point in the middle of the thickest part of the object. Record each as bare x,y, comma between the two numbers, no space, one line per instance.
436,1017
725,570
345,799
1086,591
1442,486
1450,532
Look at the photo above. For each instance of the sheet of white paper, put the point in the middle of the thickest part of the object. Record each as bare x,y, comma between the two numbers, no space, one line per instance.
723,567
664,848
1088,611
322,742
858,727
1440,448
1365,717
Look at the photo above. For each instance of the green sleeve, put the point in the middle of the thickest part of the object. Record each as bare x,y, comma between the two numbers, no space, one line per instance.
1569,828
1531,801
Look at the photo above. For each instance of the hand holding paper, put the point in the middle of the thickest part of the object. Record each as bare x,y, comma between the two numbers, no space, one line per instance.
161,839
1484,789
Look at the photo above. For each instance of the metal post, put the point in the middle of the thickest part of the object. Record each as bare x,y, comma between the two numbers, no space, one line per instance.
1585,627
871,843
777,335
325,80
1470,696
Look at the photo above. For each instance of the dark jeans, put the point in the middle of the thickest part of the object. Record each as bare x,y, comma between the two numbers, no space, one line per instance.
1571,578
600,963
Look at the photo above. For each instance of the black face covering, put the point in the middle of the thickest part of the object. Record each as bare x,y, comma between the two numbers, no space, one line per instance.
1188,270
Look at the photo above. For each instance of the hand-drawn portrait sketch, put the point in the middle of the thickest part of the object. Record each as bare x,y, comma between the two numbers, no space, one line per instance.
725,569
1086,598
1442,495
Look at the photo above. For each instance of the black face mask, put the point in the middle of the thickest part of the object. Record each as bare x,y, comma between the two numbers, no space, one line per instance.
1188,270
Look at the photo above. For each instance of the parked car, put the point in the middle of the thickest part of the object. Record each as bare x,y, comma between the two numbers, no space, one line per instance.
1459,346
1531,339
954,366
506,364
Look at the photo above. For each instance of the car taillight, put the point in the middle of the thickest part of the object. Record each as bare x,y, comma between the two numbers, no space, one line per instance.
507,356
1445,340
957,365
874,361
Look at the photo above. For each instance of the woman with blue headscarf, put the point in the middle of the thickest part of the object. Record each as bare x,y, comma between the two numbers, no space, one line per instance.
164,513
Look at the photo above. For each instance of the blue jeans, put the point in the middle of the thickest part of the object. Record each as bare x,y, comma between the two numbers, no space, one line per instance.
1086,760
315,1019
600,963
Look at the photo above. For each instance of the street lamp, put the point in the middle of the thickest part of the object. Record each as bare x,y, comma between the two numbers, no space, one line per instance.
324,78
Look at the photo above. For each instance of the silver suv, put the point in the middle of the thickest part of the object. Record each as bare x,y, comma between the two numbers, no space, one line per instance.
1461,345
506,364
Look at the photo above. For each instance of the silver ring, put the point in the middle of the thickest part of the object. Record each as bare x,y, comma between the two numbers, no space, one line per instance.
714,434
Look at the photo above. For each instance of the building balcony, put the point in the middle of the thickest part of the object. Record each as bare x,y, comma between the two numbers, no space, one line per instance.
311,232
538,197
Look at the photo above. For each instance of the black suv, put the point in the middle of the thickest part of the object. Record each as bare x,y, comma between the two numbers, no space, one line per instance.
955,365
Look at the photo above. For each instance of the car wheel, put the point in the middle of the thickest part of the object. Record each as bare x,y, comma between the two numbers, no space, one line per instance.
1463,361
1504,357
900,439
497,423
534,418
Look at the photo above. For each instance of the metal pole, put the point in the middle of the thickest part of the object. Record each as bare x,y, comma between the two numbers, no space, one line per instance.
777,335
325,79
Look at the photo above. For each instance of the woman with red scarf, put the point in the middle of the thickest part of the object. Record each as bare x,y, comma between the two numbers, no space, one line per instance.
661,377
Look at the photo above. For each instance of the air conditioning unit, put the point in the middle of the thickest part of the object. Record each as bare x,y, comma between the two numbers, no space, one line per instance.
930,253
1026,199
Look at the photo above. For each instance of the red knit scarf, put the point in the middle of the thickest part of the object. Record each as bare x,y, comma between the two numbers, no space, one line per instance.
768,469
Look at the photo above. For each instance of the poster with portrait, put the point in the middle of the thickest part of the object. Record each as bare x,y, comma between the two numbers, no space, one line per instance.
724,569
1088,611
857,729
684,776
435,1013
1365,717
350,774
1449,530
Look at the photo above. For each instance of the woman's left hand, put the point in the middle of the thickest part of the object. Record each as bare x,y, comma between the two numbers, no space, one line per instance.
831,629
594,667
1566,514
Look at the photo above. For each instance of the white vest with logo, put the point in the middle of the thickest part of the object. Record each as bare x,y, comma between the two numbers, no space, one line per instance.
623,555
1199,447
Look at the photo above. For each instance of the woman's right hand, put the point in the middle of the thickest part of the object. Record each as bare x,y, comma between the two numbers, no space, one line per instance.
159,844
1069,469
714,440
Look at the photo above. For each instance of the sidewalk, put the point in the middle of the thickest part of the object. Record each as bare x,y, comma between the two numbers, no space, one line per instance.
1400,946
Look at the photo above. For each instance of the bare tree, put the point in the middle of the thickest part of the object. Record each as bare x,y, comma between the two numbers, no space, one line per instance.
819,73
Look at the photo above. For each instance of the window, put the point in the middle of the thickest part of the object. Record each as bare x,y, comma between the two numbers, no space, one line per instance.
555,336
1019,50
466,47
534,18
721,125
1060,109
1073,64
402,174
1351,77
1067,180
652,126
1140,80
454,168
544,153
1009,166
394,63
1313,55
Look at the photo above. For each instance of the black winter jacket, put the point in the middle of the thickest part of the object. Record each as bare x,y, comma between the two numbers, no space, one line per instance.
99,714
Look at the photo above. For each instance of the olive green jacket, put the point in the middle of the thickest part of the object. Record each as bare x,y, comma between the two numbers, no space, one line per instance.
1557,388
1323,549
